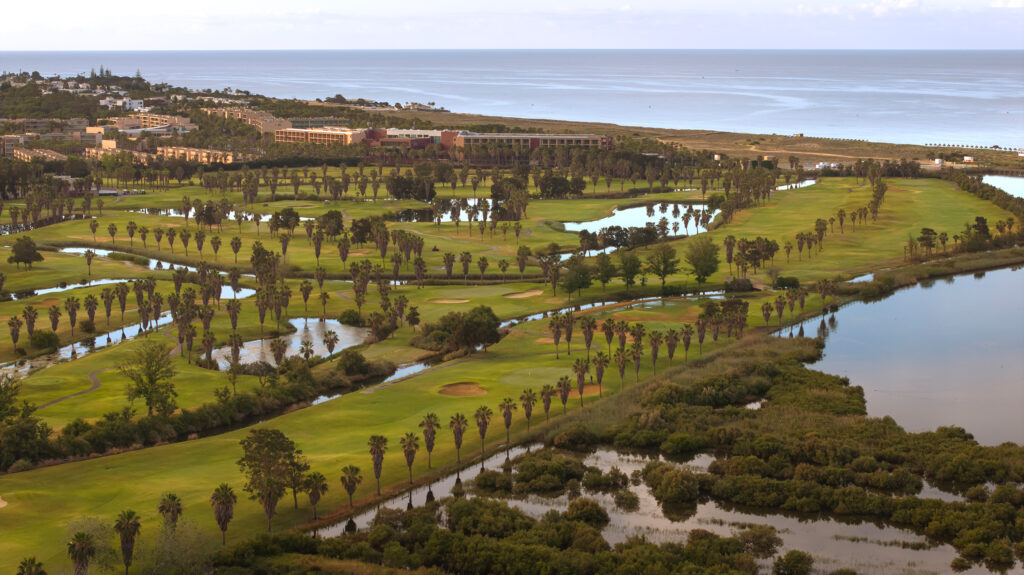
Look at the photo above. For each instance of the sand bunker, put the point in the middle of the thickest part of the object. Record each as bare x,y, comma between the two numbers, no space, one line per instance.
463,389
549,340
2,503
522,294
447,300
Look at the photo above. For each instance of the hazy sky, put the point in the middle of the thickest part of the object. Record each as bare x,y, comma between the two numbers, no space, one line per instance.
343,24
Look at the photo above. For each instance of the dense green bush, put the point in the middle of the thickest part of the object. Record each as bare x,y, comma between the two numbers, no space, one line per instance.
45,339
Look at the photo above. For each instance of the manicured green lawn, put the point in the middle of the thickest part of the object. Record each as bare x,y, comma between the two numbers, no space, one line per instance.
333,434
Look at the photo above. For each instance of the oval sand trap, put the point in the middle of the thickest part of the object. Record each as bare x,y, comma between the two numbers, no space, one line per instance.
522,294
2,503
447,300
463,389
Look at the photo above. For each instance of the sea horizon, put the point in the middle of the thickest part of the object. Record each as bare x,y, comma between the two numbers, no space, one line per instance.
924,96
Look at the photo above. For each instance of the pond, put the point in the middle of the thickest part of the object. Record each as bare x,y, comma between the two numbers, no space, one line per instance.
305,329
426,215
82,348
1010,184
867,546
158,265
682,218
946,352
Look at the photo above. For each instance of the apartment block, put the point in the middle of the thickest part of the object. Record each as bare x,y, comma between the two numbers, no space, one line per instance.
197,155
325,135
29,154
265,122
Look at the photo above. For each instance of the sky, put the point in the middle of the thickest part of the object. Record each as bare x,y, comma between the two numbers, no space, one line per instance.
522,24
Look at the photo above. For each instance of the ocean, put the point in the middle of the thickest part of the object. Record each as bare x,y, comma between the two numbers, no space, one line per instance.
971,98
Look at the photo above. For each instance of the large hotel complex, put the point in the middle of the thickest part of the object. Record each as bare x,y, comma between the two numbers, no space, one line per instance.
444,139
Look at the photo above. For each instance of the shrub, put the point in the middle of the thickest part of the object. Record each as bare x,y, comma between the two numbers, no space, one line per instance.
20,465
627,500
576,438
87,325
738,285
494,481
587,511
350,317
45,339
787,282
351,362
793,563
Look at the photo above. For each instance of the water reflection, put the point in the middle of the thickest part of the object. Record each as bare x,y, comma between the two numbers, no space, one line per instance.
682,219
306,329
869,547
948,355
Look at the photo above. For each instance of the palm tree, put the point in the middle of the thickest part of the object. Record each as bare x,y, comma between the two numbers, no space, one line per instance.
89,255
547,393
608,327
507,406
223,502
601,361
564,389
429,426
350,480
81,550
410,445
170,507
581,368
637,351
316,486
483,419
378,445
621,361
278,348
555,325
588,325
671,342
687,337
306,349
655,342
127,527
30,566
14,324
330,342
458,424
528,399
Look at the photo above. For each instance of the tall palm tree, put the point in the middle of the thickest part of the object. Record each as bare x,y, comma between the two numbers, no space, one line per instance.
223,502
306,349
588,325
687,337
564,389
507,406
671,342
278,348
621,361
350,480
170,507
555,325
316,486
608,327
483,419
547,393
410,445
330,341
30,566
581,368
528,399
378,445
655,342
429,425
601,361
637,351
127,527
458,424
81,550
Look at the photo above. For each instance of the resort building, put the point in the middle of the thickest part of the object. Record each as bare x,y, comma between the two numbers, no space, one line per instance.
30,154
265,122
466,139
325,135
317,122
197,155
153,121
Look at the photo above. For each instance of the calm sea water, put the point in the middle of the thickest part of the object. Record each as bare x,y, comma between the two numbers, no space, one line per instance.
956,97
